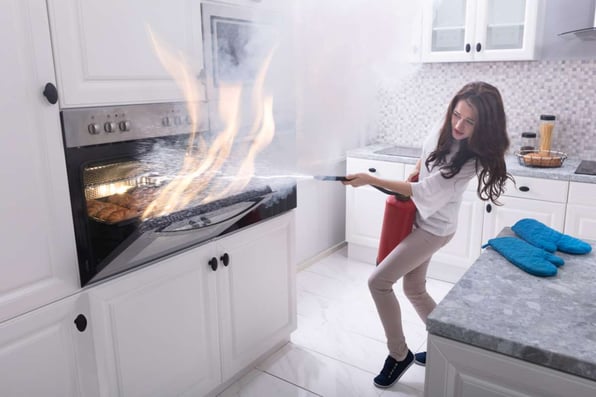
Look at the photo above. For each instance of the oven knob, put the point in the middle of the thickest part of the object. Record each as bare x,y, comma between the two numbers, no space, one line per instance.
188,120
93,129
109,126
177,120
124,125
165,121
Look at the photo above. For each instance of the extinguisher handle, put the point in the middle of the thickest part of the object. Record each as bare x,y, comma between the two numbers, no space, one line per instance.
399,196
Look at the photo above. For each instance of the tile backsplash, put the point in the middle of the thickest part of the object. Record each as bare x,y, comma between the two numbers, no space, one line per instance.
567,89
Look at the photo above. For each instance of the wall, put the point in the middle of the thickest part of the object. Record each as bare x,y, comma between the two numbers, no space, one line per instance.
565,88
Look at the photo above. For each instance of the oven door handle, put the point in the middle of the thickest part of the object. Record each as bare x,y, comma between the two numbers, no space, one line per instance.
223,224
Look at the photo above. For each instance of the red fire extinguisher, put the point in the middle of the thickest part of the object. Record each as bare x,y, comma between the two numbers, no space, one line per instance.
398,221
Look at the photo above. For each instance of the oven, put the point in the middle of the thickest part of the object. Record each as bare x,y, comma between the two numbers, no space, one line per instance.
143,185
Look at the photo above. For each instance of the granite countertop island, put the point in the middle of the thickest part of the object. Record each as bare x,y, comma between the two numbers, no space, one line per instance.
546,321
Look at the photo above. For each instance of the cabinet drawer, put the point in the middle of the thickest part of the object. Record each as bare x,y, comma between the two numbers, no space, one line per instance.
538,189
582,193
381,169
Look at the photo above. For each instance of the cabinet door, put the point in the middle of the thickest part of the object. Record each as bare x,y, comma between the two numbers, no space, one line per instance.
42,353
506,30
514,209
451,261
105,53
365,206
480,30
256,292
448,30
156,329
38,254
580,220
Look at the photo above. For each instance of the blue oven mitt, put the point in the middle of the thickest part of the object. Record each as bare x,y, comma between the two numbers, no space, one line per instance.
531,259
542,236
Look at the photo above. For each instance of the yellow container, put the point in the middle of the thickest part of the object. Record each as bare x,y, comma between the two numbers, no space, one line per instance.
547,125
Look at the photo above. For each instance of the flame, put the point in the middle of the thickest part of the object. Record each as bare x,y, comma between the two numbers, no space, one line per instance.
205,161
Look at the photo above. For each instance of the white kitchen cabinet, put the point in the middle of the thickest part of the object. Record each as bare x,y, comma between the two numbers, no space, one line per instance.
451,262
38,254
180,328
365,207
458,370
580,219
43,352
105,54
479,30
541,199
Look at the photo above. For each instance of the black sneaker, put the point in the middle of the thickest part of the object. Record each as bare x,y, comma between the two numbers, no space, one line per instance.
420,358
393,370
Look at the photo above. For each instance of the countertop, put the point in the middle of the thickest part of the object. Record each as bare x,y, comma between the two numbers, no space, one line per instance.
565,172
546,321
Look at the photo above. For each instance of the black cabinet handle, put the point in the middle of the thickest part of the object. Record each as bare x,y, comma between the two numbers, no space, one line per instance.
225,258
524,189
51,93
372,169
489,208
81,322
478,47
468,47
213,263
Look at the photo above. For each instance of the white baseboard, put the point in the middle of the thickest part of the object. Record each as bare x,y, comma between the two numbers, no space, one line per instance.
308,262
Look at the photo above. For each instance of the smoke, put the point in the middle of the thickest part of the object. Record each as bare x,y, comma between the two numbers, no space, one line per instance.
328,60
344,50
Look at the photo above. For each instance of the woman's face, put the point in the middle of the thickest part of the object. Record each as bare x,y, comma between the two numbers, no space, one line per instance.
463,120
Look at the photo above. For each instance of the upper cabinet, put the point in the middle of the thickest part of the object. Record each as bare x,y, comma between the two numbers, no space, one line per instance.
479,30
111,51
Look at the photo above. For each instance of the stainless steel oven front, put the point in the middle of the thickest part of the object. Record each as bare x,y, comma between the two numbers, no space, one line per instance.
135,198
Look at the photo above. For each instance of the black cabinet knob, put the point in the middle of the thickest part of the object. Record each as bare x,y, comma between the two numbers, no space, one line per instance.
489,208
468,47
225,258
81,322
51,93
478,47
372,169
213,263
524,189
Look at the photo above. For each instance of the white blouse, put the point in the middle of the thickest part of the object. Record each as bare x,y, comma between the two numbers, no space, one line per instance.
438,199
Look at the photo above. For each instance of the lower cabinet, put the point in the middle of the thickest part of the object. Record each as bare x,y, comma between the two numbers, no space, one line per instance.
580,219
49,352
455,369
190,323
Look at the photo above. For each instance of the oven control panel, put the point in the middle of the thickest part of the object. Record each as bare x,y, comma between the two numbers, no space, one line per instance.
109,124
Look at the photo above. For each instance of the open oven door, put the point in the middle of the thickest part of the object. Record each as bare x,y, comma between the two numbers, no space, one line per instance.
163,236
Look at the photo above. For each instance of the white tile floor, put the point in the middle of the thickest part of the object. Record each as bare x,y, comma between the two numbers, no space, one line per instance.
339,346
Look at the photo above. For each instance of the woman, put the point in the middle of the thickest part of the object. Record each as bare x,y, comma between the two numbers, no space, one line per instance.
471,142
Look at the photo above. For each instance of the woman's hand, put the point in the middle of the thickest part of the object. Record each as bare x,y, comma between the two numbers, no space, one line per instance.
357,180
413,177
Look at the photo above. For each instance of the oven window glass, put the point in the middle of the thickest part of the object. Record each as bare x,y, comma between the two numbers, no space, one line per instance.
239,49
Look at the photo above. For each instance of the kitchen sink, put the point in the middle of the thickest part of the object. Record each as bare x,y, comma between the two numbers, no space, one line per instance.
401,151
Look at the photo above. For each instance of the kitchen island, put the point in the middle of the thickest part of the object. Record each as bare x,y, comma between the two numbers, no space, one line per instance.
503,332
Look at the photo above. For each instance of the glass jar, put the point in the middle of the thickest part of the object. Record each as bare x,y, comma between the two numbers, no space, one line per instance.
528,141
547,124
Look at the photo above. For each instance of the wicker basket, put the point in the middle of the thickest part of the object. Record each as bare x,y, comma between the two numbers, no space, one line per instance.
541,158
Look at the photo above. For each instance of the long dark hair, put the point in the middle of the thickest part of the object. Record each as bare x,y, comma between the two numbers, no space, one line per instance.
487,144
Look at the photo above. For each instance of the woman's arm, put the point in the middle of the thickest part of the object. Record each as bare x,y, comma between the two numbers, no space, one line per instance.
361,179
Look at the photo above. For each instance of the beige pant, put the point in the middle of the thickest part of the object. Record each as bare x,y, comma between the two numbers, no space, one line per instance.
408,260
